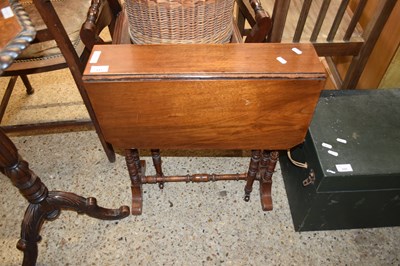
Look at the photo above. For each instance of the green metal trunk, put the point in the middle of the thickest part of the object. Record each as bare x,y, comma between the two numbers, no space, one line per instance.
352,150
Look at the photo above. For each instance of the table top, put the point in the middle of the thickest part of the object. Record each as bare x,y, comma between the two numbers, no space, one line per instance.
258,60
16,32
204,96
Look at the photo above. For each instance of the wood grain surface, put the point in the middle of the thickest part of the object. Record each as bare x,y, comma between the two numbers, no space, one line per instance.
198,97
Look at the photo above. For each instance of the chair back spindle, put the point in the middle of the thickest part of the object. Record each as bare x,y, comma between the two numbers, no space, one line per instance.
305,10
320,20
354,20
338,19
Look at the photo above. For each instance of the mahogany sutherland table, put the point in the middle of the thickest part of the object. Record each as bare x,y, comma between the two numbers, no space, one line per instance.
259,97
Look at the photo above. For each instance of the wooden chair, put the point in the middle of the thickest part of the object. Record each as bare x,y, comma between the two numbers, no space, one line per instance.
330,25
119,97
58,45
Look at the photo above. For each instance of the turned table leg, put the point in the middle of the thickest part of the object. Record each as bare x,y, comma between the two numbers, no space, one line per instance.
156,156
43,205
267,166
134,169
252,173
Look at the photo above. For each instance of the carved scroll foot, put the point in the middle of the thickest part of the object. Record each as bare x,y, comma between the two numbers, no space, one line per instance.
44,205
137,200
136,169
268,167
31,225
265,195
88,206
49,209
137,192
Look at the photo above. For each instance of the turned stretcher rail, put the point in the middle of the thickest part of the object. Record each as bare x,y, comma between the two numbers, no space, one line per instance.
196,178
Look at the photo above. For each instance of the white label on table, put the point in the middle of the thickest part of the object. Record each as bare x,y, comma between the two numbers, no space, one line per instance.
95,57
344,168
333,153
326,145
296,50
341,140
98,69
7,12
281,59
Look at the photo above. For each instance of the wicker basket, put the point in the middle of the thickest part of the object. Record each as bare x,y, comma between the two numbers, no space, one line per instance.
180,21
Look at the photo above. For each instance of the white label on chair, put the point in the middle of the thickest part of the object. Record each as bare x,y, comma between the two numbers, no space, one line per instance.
280,59
344,168
98,69
95,57
296,50
7,12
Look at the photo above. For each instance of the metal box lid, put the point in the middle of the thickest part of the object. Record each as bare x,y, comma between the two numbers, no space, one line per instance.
354,140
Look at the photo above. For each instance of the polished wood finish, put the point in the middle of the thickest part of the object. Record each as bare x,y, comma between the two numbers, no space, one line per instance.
135,173
44,205
262,24
212,99
230,96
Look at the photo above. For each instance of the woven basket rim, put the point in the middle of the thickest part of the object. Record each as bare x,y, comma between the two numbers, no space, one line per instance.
184,2
180,21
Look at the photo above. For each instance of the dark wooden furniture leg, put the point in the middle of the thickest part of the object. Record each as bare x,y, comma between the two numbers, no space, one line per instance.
267,168
252,173
135,172
7,95
27,83
43,205
155,154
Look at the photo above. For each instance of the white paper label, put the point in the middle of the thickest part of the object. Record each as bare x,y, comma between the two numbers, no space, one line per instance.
333,153
95,57
344,168
98,69
7,12
281,59
326,145
341,140
296,50
330,171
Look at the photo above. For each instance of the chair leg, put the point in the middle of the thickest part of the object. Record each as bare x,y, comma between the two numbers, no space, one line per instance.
269,162
133,164
252,173
7,95
28,86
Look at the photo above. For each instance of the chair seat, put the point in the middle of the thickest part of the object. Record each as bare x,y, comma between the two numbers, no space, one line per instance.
72,14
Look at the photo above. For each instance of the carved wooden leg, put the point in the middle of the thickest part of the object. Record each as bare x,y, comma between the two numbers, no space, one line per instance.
132,162
252,173
155,154
268,163
43,205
